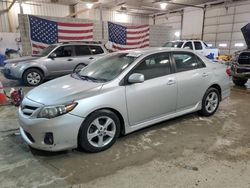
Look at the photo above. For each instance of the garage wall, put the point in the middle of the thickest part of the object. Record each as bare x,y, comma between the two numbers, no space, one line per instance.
158,34
39,8
111,15
4,23
170,20
222,27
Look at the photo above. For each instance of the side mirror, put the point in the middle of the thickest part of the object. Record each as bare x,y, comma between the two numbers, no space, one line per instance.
52,56
136,78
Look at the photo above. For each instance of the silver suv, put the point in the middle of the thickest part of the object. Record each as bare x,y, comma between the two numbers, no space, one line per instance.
54,61
118,94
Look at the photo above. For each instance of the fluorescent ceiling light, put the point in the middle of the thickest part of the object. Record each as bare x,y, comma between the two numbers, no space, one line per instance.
89,5
223,45
163,6
239,44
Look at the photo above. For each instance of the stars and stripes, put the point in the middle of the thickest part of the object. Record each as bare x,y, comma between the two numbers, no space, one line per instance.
45,32
128,37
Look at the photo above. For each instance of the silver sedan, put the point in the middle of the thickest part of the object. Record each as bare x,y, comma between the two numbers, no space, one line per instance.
118,94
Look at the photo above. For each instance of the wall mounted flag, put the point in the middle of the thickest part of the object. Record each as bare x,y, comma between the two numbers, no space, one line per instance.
45,32
127,37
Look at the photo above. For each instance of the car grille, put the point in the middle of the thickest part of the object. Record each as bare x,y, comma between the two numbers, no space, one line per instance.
28,107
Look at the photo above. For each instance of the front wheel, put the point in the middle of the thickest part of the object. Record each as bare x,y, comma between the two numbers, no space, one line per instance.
210,102
32,77
99,131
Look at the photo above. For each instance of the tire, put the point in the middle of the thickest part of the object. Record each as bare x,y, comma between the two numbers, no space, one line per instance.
96,134
79,67
210,102
32,77
239,82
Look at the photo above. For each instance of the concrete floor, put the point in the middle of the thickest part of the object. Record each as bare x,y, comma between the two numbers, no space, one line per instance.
189,151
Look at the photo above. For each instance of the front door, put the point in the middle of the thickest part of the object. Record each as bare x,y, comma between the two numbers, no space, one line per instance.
63,61
156,96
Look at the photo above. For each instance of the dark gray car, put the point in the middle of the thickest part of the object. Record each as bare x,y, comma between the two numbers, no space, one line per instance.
54,61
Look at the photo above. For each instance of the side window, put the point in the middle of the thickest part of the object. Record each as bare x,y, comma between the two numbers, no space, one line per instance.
189,45
82,50
64,51
187,61
154,66
197,45
96,49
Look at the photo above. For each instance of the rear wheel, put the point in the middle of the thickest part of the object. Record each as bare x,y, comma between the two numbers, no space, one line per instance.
99,131
210,102
239,81
32,77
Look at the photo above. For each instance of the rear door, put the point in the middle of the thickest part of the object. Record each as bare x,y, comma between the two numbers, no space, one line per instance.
156,96
193,79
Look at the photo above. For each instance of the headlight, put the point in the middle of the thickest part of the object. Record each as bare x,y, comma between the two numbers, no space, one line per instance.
54,111
14,64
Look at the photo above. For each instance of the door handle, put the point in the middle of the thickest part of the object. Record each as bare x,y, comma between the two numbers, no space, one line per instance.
70,60
170,81
204,74
91,58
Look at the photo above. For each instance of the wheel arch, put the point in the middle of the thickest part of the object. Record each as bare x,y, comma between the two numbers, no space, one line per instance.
217,86
38,68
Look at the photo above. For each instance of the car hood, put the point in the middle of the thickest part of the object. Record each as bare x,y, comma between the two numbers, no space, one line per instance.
63,90
21,59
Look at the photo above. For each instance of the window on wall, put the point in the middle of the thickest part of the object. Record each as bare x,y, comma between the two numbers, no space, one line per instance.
188,45
187,61
154,66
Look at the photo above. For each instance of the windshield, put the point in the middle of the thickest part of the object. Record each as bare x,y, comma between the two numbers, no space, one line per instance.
46,51
109,67
173,44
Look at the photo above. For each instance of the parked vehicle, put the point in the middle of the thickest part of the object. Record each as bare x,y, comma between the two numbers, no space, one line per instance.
240,68
195,45
118,94
54,61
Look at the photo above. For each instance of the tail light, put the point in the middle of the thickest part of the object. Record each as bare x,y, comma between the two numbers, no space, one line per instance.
228,71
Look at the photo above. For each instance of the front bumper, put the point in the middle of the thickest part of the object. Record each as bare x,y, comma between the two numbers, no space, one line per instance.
240,71
64,129
9,73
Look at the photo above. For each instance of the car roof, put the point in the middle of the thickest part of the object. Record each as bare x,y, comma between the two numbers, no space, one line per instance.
79,43
145,51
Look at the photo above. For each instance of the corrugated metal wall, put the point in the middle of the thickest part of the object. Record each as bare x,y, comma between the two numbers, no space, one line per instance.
222,27
35,9
4,23
110,15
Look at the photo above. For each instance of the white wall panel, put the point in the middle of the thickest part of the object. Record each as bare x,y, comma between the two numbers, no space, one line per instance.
4,22
192,23
39,9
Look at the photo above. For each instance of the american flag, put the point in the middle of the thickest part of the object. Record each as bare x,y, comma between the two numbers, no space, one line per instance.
127,37
45,32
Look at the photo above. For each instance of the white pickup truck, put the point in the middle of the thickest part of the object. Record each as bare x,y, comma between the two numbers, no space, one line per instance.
196,45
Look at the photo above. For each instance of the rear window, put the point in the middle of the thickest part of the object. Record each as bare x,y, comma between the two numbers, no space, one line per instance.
82,50
96,49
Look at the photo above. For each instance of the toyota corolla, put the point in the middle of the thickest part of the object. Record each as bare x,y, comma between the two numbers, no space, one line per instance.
118,94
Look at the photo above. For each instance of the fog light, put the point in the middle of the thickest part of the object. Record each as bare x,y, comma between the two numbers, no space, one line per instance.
48,139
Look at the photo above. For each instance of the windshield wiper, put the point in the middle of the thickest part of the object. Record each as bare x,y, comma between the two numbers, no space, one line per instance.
85,77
